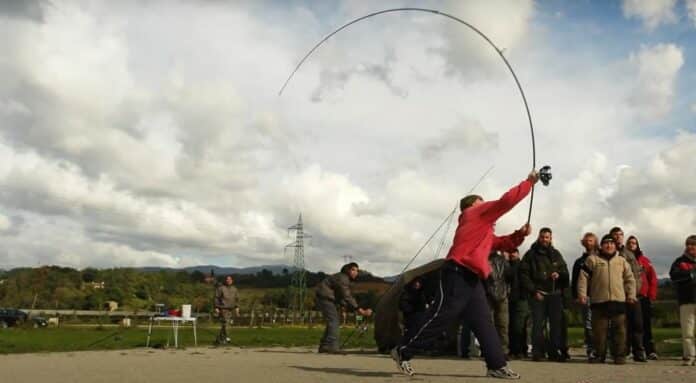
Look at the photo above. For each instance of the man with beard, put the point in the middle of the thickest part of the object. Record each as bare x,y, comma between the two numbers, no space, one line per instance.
544,275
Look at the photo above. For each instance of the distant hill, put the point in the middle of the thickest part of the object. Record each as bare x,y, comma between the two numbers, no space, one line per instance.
221,270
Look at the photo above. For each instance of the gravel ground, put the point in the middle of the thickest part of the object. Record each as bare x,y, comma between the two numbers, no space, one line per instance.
301,365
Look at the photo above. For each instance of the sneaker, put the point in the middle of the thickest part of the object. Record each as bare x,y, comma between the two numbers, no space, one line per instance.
640,358
404,366
503,373
329,350
652,356
688,361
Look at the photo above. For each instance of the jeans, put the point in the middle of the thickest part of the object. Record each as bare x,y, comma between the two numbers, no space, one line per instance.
329,341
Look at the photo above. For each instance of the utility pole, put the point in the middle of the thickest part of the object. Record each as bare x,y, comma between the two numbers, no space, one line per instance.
298,282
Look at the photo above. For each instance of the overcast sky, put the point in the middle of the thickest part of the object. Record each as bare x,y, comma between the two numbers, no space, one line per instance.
151,133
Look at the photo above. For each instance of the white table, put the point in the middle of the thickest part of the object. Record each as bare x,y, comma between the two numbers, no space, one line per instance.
176,321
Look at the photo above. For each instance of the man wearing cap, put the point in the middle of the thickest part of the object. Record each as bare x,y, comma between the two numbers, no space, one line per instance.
607,280
461,290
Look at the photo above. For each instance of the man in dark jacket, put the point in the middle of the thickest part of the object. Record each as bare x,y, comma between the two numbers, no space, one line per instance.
519,310
226,298
683,274
333,290
589,242
544,275
634,315
413,305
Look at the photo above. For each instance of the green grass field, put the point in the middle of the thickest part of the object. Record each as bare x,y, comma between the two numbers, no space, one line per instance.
26,340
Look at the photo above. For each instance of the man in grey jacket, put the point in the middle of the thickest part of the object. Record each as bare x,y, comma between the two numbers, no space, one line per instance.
226,298
634,315
332,291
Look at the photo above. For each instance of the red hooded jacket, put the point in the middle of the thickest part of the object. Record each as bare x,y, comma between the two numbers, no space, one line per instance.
649,277
474,238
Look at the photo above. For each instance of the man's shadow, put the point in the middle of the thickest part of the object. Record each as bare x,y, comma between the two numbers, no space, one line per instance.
373,374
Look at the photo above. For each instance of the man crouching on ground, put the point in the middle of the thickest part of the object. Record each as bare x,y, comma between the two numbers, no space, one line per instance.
462,292
333,290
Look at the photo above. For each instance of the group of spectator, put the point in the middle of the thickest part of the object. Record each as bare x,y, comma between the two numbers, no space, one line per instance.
613,284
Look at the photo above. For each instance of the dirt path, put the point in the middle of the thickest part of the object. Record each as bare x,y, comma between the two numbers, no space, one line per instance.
301,366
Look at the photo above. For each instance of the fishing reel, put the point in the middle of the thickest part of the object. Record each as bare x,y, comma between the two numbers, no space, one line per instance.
545,175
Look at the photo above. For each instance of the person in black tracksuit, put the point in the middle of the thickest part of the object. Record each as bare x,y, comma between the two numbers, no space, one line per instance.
519,310
413,305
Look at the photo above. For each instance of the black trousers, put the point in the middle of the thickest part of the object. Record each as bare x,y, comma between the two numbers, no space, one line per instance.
646,309
461,297
549,309
519,318
634,329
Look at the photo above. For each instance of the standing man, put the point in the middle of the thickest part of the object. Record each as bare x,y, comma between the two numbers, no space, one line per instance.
606,280
544,275
646,295
226,298
498,290
462,291
589,242
634,315
683,274
519,310
335,290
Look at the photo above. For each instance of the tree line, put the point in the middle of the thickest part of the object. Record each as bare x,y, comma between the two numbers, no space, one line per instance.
64,288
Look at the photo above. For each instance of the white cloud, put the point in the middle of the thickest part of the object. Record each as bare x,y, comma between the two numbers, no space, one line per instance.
693,107
653,13
5,223
505,23
165,143
691,9
656,68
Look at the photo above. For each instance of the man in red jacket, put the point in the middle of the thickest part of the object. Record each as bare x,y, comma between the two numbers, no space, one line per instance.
646,295
461,291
